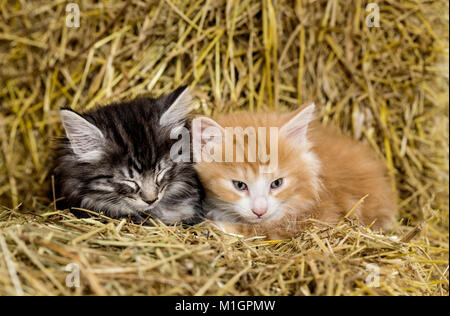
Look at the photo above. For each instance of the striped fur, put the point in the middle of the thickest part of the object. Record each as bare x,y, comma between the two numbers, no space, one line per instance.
115,160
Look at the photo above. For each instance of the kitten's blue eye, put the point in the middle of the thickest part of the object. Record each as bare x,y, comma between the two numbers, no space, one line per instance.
277,183
239,185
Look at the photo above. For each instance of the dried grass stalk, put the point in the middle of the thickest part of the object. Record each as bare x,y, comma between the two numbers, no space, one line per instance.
387,86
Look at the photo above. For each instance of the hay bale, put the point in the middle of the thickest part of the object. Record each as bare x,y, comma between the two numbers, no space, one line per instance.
387,86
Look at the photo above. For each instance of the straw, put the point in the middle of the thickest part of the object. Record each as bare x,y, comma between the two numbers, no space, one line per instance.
386,86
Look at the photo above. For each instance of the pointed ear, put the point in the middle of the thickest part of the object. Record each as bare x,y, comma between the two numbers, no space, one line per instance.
86,140
205,129
206,134
178,107
295,129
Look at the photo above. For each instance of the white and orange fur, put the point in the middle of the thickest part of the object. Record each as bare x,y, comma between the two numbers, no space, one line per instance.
324,175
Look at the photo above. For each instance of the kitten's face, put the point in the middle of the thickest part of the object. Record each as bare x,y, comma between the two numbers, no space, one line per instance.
243,192
117,160
130,188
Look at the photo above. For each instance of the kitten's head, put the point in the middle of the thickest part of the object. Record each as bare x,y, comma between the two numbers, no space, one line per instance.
250,191
116,158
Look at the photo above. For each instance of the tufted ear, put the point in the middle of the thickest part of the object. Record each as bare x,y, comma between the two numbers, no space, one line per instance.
178,107
295,129
86,140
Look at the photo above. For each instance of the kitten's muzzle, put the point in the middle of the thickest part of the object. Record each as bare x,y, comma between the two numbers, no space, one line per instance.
149,193
259,212
260,206
150,202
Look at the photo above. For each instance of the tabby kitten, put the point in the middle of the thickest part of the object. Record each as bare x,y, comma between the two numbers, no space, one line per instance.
319,174
116,159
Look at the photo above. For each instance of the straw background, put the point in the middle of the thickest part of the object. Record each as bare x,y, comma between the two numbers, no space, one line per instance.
386,85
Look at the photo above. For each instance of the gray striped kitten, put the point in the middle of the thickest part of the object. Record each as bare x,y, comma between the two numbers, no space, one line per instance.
115,160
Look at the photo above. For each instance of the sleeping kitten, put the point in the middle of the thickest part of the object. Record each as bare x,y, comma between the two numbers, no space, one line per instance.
317,174
116,160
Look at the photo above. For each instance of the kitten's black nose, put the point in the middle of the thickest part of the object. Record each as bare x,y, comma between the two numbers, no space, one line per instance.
150,202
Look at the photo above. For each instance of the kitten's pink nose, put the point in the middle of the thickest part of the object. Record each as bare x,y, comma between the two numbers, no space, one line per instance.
260,207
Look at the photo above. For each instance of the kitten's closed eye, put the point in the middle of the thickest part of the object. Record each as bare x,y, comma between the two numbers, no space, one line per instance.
160,175
130,185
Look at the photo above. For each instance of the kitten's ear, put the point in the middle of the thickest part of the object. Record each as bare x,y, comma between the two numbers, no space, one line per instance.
296,127
178,103
205,129
86,140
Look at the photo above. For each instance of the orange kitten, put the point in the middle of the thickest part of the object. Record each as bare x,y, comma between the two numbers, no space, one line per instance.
316,173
